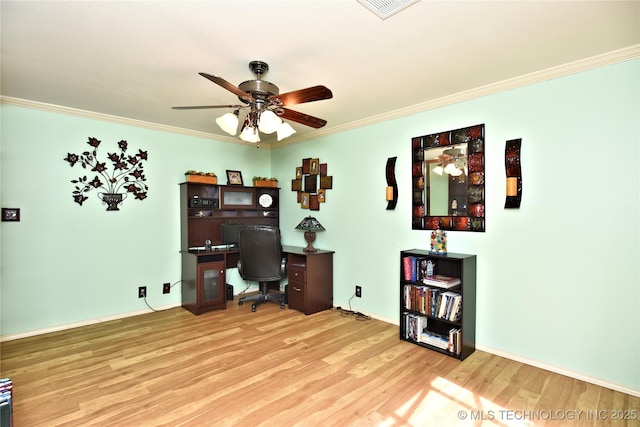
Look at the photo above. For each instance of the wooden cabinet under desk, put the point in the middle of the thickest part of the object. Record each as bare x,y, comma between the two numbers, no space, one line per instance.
204,281
310,277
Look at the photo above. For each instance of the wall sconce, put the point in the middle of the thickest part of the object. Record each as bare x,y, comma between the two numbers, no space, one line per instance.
392,186
514,173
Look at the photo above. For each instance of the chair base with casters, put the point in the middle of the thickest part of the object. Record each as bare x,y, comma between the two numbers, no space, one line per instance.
264,296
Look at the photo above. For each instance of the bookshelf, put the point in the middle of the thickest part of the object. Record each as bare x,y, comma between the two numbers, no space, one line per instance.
438,314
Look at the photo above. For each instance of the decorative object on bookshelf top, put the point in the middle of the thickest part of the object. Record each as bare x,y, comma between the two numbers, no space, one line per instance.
514,173
310,225
438,242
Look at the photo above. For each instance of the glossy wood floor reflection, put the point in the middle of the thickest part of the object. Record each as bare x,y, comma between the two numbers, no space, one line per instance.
280,368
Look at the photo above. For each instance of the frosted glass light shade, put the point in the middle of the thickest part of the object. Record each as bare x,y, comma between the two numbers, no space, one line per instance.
438,169
250,134
269,122
450,169
228,122
285,130
456,172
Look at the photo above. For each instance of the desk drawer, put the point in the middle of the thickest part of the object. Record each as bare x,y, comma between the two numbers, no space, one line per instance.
297,291
297,274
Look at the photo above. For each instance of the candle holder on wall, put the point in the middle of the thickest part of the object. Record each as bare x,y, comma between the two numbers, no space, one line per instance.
392,186
514,174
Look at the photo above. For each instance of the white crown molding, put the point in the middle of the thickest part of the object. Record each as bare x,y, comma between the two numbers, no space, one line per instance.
616,56
613,57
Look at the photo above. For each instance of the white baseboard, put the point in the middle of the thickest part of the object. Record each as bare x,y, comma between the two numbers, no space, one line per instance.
547,367
83,323
562,371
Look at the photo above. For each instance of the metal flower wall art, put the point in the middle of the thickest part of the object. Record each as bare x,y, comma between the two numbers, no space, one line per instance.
126,178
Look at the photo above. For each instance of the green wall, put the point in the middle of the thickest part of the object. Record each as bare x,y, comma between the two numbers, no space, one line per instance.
558,279
64,263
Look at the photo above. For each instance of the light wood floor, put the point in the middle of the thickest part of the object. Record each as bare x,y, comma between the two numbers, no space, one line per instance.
281,368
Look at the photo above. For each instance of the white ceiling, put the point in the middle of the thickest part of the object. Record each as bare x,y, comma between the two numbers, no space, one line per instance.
137,59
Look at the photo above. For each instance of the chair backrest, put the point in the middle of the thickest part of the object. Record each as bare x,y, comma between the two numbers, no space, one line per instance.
260,253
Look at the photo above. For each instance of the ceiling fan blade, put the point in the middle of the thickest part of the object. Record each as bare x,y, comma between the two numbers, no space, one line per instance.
310,94
228,86
200,107
301,118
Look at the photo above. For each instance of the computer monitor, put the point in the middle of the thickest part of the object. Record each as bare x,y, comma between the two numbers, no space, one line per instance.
230,233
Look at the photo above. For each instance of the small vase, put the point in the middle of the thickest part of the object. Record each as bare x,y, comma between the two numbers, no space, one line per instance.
112,200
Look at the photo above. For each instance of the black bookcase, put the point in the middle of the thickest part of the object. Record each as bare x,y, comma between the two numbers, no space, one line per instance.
429,313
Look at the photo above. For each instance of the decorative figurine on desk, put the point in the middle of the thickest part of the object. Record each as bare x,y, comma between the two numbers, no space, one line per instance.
439,242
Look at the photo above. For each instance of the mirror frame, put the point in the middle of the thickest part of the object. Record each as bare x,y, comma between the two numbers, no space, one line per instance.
475,221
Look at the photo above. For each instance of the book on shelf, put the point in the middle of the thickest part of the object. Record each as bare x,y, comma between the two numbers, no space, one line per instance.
433,302
414,326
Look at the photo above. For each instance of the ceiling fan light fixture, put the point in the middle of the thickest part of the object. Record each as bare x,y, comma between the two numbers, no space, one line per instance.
228,122
250,134
269,122
285,130
450,168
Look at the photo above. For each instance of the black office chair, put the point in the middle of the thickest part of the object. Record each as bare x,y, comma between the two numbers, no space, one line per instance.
261,260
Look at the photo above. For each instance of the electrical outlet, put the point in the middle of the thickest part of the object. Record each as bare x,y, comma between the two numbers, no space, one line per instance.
166,288
358,291
142,292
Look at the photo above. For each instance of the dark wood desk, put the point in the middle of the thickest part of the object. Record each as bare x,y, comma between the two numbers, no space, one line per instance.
310,279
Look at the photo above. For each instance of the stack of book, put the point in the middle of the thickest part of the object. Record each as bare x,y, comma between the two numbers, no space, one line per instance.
441,281
6,403
435,340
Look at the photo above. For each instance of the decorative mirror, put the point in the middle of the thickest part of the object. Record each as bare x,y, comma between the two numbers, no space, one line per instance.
448,180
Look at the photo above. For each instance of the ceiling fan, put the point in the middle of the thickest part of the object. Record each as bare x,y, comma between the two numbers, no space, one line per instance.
264,106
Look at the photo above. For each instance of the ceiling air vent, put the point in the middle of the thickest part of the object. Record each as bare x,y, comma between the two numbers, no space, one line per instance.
386,8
